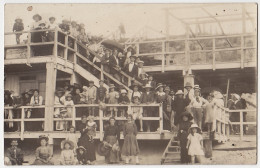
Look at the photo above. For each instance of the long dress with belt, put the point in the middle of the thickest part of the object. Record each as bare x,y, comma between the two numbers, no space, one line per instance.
42,154
87,143
112,136
130,146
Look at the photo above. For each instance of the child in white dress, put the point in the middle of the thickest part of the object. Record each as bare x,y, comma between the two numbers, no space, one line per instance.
67,154
73,138
195,144
91,127
137,112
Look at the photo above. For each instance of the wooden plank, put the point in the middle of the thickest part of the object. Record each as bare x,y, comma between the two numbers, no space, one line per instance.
22,124
55,48
163,56
73,116
241,125
214,53
161,118
101,124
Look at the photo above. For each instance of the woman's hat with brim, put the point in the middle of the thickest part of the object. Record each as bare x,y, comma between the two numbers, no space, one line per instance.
147,86
102,150
158,86
111,86
188,84
133,56
196,87
187,114
236,96
43,137
18,18
140,62
37,15
68,95
194,126
179,92
134,85
7,92
90,117
51,18
64,142
81,147
123,91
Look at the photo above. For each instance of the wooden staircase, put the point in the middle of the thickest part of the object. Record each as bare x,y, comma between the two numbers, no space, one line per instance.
171,155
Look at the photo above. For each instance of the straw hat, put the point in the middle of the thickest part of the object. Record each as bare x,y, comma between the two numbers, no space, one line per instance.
134,85
188,84
194,126
43,137
64,142
90,117
236,96
37,15
85,88
179,92
68,95
102,149
51,18
187,114
140,62
196,87
123,91
158,86
147,86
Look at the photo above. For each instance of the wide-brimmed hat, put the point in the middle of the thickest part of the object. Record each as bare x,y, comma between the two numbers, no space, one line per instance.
50,18
7,92
67,142
111,86
90,117
63,110
134,85
103,150
194,126
18,18
37,15
197,87
187,114
188,84
158,86
134,56
68,95
179,92
81,147
43,137
236,96
167,88
85,88
142,62
123,91
147,86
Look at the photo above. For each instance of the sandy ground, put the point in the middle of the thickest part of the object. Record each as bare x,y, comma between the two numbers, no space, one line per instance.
151,152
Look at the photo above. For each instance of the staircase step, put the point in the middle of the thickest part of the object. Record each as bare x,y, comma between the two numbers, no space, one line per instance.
175,143
170,152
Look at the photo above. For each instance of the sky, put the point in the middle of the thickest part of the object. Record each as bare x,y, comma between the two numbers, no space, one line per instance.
103,19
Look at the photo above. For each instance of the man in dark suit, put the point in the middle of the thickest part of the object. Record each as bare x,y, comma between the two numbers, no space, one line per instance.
114,64
14,154
130,68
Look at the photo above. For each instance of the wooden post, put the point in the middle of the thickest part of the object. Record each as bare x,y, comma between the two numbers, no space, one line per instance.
241,125
207,143
102,72
163,55
187,47
55,48
101,127
74,116
137,49
22,124
75,54
214,53
228,83
66,49
167,28
161,118
29,48
242,52
51,73
242,37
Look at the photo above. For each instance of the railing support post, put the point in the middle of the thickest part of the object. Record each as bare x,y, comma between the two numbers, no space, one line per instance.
22,124
101,124
102,72
29,48
74,116
241,125
55,48
163,55
242,52
161,117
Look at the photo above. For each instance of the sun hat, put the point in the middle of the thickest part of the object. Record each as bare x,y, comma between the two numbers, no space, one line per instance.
68,95
187,114
52,18
167,88
59,90
64,142
90,117
43,137
140,62
123,91
196,87
179,92
103,149
147,86
159,85
85,88
194,126
37,15
236,96
188,84
135,84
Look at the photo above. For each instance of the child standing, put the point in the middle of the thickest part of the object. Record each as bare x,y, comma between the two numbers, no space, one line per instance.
81,155
73,138
195,143
113,97
91,127
84,95
123,99
67,154
130,147
69,102
18,26
137,112
92,95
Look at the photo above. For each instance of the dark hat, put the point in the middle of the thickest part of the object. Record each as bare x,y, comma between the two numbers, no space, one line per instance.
187,114
134,56
197,87
52,18
91,81
18,18
37,15
7,92
78,86
102,150
43,137
29,92
81,147
135,84
188,84
59,90
67,142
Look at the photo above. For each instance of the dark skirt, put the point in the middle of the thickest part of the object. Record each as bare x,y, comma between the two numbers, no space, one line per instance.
185,158
89,145
130,146
113,156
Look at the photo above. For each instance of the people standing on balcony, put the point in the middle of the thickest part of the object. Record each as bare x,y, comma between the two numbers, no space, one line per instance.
8,113
59,99
77,95
179,104
96,60
51,25
143,78
26,99
67,154
82,37
123,99
184,125
129,53
197,104
18,26
131,69
112,97
111,139
68,103
189,94
84,95
64,26
115,65
137,60
101,92
74,30
37,100
137,112
92,95
91,127
140,70
36,37
148,97
105,61
151,82
130,146
14,155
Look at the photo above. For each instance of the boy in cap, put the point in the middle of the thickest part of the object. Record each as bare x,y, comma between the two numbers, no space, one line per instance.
92,95
18,26
14,154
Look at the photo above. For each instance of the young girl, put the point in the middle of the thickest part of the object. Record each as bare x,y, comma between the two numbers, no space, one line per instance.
195,143
73,138
69,102
18,26
113,99
91,127
137,112
81,156
123,99
130,147
84,95
67,154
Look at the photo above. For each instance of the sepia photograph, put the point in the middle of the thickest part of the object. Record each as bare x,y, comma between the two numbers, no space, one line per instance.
130,84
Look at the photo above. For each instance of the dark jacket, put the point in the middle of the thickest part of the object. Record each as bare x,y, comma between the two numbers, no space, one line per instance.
147,98
15,158
18,27
134,71
101,94
123,99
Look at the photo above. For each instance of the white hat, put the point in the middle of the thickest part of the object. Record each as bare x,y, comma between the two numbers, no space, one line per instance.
147,86
123,91
236,96
85,87
179,92
140,62
194,126
197,87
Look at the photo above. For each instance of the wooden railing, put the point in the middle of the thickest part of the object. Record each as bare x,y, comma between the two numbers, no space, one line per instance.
100,117
71,50
188,54
222,123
